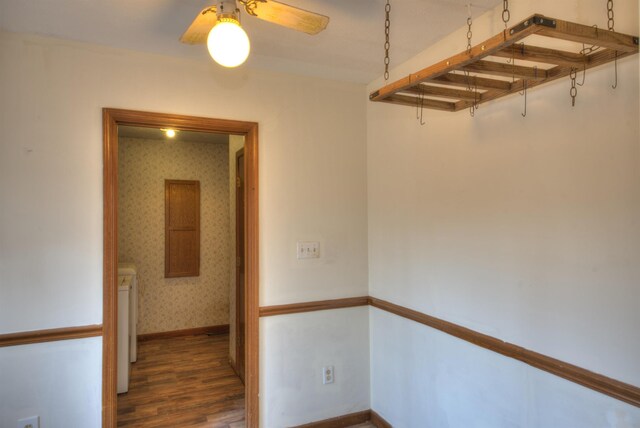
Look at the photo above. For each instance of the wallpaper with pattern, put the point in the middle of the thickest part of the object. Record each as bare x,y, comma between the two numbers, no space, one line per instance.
167,304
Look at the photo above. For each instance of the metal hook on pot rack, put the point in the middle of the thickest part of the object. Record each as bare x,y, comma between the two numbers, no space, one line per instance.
420,107
524,92
615,67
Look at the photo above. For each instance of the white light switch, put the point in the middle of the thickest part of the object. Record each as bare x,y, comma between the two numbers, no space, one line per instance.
308,249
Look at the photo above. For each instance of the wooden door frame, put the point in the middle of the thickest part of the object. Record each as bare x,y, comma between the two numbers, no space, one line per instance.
240,368
111,119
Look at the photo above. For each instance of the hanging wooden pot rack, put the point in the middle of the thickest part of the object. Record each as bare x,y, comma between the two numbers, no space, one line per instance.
483,79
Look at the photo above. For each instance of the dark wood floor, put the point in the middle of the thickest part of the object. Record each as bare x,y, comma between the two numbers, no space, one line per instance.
183,382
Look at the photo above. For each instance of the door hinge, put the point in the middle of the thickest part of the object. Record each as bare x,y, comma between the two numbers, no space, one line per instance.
238,182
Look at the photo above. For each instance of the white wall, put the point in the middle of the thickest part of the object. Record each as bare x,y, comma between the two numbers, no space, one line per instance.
59,381
312,183
292,361
524,229
422,377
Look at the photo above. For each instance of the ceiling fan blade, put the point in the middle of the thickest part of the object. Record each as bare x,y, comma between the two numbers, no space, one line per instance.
289,16
199,29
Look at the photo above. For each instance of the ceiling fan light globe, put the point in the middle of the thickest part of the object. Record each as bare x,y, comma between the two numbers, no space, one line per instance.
228,44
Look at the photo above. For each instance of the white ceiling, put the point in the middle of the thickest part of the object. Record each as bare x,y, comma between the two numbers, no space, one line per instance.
351,48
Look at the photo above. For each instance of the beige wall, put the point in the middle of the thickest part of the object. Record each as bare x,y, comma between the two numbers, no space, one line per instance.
168,304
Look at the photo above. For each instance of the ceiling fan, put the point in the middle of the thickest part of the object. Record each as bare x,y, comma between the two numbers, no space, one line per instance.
228,44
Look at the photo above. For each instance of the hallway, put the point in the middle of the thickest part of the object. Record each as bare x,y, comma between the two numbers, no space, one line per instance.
183,381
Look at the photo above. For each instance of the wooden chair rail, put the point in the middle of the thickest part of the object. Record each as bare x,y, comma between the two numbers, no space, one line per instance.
50,335
321,305
603,384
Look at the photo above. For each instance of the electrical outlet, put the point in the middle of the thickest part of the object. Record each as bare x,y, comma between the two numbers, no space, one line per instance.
327,375
30,422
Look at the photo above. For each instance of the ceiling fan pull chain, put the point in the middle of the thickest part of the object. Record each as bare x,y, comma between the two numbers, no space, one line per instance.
506,15
387,45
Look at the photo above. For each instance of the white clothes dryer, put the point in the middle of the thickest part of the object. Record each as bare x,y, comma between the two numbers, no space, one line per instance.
124,365
130,270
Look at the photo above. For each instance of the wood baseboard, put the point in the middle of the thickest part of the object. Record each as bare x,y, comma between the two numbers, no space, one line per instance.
340,421
379,421
50,335
349,420
213,329
235,369
320,305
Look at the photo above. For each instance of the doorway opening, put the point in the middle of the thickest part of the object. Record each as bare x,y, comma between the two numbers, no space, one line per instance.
245,269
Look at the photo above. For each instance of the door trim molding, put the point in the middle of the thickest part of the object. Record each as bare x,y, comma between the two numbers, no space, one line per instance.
50,335
238,290
111,119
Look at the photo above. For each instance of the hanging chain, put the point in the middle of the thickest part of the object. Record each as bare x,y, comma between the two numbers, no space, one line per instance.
524,92
474,105
573,91
387,45
615,84
420,107
506,15
588,50
469,32
610,24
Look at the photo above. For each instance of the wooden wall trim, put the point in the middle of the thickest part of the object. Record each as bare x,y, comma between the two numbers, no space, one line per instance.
50,335
349,420
252,275
212,329
340,421
603,384
379,421
320,305
109,268
234,368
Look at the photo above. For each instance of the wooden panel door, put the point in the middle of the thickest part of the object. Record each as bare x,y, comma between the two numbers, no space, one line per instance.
240,274
182,228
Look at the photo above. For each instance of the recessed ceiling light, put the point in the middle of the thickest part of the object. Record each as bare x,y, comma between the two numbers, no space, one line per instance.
170,132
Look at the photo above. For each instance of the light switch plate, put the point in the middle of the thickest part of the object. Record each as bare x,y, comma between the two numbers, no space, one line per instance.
30,422
308,250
